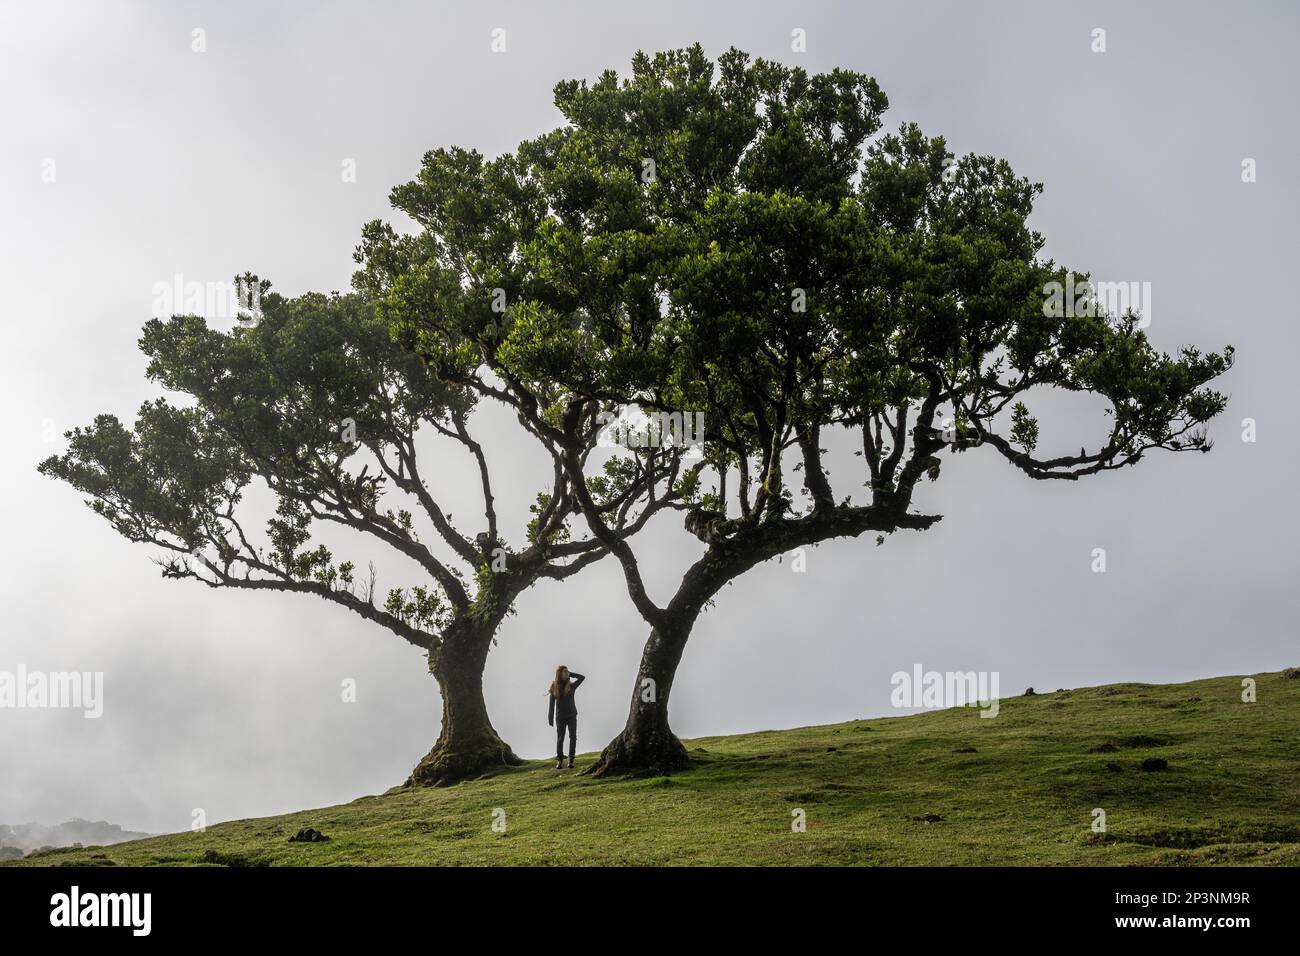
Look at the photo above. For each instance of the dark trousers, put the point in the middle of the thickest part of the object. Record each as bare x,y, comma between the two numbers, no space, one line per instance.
560,724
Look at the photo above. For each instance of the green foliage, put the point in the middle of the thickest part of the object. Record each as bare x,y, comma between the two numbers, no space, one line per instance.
619,474
774,269
688,489
174,474
417,606
288,532
295,399
1024,427
541,506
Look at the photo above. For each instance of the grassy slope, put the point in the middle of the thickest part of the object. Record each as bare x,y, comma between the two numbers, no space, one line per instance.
1231,795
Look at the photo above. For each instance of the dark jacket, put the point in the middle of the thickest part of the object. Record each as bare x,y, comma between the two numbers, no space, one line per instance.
567,706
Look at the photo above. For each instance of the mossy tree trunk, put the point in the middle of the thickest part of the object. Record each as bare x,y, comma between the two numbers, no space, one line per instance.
647,744
468,745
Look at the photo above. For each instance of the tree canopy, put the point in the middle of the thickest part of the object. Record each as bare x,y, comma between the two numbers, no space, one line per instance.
730,238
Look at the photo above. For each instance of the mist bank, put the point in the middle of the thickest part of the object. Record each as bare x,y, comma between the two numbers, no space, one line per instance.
20,839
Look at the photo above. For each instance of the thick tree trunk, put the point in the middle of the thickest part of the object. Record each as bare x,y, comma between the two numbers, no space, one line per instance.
468,746
647,744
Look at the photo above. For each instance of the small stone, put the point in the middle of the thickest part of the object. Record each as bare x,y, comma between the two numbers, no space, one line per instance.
1029,692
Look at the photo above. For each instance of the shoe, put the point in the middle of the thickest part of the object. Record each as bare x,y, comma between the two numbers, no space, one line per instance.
570,763
559,764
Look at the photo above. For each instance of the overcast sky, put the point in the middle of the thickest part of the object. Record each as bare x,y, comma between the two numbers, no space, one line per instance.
167,161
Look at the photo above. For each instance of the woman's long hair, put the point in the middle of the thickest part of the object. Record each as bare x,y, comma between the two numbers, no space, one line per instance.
561,685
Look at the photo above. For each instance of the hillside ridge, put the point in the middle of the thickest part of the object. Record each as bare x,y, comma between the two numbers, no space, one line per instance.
1182,774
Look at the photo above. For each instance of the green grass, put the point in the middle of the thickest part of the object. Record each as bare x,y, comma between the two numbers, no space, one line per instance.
1230,795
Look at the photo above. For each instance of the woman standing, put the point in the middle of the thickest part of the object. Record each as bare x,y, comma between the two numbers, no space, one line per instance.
565,708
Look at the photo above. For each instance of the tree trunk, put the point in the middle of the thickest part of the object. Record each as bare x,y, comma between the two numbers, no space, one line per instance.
647,744
468,746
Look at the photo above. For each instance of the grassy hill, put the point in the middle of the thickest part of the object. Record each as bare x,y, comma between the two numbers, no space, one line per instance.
1016,789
